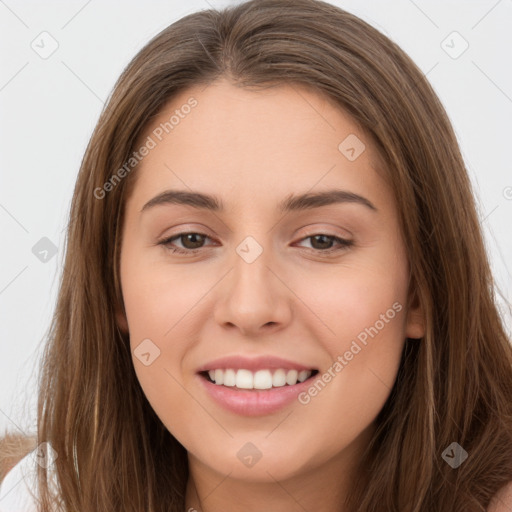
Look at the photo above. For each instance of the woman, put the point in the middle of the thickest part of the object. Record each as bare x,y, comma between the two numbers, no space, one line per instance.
249,370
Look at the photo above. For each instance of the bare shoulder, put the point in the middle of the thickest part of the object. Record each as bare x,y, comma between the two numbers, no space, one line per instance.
502,501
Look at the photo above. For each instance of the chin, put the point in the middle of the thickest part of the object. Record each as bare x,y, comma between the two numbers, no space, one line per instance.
252,465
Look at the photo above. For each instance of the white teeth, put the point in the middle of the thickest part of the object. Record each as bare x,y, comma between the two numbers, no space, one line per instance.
279,378
244,379
291,377
261,379
219,377
229,378
303,375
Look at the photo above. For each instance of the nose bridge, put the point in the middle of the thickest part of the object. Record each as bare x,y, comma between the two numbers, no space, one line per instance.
253,296
252,281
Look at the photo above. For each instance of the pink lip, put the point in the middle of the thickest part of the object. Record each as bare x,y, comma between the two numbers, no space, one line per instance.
253,364
249,402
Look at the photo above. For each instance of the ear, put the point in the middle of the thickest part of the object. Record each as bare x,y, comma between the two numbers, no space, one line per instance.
415,323
121,320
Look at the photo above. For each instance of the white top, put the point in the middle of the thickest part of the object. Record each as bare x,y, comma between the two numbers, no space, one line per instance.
14,489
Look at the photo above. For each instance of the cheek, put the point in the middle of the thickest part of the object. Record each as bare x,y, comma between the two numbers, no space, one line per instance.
363,306
360,300
158,300
157,316
158,304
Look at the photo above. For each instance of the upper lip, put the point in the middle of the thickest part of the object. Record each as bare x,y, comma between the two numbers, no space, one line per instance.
253,363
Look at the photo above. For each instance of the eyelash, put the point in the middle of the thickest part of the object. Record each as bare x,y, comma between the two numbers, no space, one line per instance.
344,244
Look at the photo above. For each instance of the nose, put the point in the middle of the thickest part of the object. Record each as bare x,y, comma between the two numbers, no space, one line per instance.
253,298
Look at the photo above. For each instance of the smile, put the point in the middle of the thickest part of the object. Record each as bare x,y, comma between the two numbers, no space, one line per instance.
258,393
261,379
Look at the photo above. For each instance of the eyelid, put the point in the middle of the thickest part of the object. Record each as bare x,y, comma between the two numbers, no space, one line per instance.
309,232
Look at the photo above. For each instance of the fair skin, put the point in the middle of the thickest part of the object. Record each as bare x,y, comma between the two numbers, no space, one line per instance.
502,500
252,149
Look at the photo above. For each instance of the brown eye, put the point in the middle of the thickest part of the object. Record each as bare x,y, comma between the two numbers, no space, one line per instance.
191,242
323,243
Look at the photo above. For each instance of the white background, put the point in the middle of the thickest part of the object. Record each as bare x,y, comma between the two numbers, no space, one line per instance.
49,107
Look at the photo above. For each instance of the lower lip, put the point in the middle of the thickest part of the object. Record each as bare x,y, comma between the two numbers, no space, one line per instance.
249,402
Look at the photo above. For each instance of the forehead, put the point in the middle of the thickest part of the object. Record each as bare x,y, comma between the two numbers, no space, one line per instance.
255,144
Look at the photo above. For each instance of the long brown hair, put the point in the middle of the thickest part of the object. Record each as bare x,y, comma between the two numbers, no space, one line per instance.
453,385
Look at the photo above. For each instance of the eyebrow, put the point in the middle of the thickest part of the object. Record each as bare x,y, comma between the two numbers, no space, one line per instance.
291,203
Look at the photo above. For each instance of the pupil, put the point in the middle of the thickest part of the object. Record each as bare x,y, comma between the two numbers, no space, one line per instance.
194,235
320,237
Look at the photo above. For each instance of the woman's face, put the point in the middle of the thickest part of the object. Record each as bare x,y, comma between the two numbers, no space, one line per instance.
282,286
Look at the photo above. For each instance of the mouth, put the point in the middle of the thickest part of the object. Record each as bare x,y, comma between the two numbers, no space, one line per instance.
255,393
260,380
